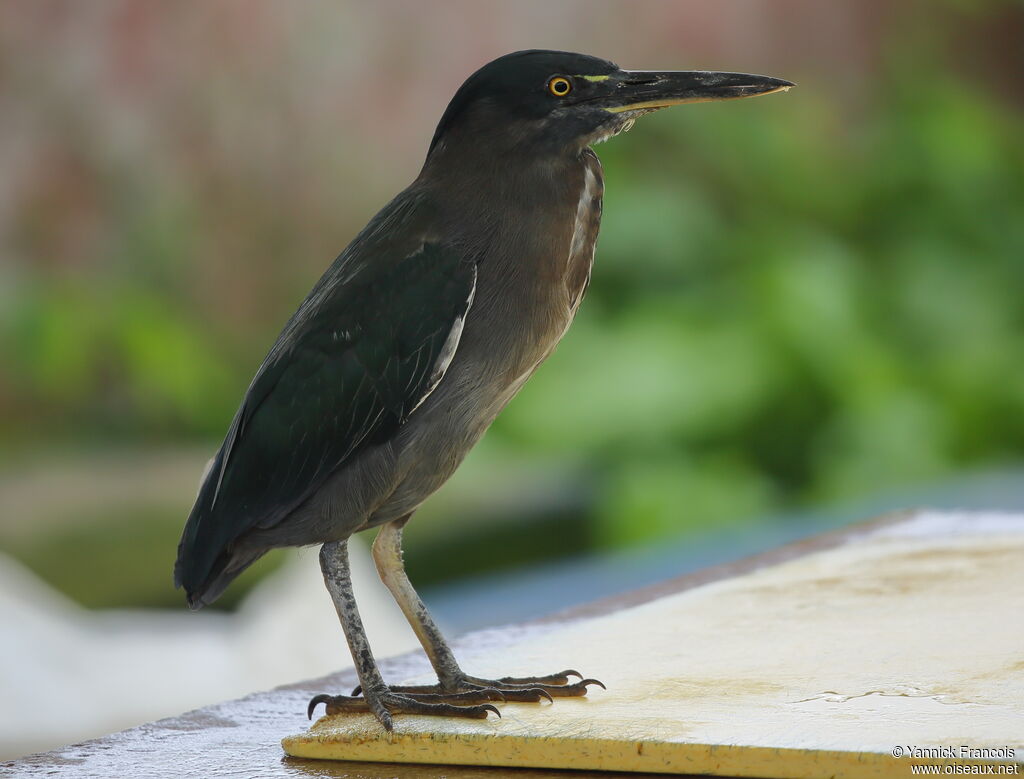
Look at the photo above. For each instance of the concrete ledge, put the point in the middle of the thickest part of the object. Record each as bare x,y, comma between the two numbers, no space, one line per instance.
243,737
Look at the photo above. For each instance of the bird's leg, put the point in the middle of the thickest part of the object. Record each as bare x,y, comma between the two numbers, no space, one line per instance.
387,554
377,697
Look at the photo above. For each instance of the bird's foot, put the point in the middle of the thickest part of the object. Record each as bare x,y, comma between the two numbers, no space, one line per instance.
386,702
526,689
464,696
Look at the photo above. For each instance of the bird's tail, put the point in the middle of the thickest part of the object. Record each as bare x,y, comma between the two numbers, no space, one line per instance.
208,561
224,571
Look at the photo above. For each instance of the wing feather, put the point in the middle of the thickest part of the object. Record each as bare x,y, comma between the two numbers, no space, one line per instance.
360,355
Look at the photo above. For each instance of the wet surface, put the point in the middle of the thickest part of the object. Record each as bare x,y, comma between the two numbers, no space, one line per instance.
243,738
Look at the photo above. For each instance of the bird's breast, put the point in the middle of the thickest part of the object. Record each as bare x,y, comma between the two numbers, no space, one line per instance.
537,269
557,272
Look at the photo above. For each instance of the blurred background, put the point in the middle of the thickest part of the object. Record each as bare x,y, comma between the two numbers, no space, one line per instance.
805,309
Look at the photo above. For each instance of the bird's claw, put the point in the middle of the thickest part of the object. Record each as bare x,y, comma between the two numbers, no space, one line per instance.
315,701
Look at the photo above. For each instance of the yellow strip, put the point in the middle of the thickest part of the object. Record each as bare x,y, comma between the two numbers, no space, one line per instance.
325,742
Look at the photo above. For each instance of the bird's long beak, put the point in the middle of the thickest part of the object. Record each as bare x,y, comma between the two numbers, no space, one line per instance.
643,90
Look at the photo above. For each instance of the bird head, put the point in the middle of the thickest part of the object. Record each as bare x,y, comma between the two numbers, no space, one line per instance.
552,102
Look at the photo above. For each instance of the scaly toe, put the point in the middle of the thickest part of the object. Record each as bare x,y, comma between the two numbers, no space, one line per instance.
336,704
577,690
405,704
559,679
482,695
526,694
527,688
470,703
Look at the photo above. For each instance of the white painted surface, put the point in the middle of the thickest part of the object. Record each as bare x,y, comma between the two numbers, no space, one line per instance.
839,663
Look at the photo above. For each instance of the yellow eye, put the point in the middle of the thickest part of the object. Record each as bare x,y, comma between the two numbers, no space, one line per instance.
559,86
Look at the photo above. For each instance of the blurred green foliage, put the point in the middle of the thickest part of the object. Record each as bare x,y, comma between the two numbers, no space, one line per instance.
795,299
115,363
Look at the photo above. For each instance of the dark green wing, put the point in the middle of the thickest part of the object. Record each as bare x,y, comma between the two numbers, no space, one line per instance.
367,346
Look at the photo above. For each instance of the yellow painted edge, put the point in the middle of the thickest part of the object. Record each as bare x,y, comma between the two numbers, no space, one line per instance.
601,755
594,78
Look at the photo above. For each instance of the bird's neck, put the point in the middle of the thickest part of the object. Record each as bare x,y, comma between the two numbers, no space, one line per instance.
491,193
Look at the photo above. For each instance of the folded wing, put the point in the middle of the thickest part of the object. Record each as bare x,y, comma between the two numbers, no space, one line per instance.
363,351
